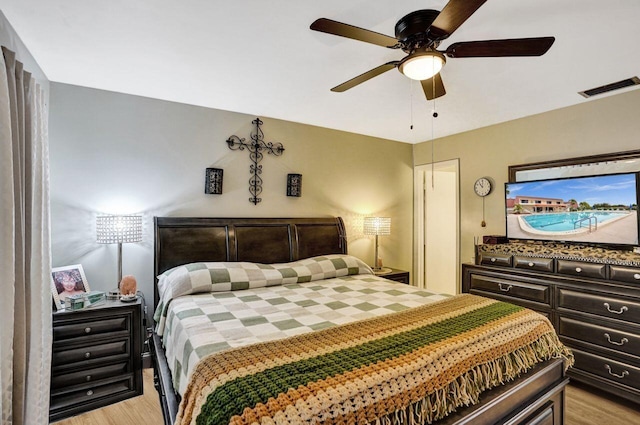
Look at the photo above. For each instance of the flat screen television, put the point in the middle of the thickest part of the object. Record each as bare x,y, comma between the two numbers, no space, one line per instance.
599,209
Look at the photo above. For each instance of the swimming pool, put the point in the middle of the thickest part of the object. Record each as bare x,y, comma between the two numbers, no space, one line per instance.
564,222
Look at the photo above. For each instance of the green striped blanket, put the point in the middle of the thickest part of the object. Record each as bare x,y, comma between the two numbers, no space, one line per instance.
413,366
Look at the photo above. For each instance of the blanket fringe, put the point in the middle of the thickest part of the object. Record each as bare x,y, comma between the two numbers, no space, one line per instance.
466,389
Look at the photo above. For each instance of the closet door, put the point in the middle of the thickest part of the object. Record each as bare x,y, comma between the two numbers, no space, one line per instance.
437,224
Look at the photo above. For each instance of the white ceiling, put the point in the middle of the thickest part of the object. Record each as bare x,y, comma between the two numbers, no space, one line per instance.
259,57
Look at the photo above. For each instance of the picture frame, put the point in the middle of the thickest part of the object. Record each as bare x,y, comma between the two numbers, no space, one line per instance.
66,281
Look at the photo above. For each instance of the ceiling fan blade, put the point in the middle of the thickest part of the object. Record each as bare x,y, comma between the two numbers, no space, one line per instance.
452,16
537,46
433,87
365,76
349,31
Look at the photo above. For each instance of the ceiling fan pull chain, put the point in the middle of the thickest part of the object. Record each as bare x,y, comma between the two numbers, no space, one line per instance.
433,119
411,100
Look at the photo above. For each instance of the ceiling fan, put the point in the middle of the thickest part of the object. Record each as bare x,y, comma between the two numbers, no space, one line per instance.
419,34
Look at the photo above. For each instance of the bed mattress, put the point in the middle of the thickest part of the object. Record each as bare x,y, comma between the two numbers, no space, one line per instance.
325,339
202,324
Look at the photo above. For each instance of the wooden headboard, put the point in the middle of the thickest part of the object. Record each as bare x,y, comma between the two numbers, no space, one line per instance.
183,240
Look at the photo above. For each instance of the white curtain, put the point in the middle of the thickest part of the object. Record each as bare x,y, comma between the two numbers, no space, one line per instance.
25,259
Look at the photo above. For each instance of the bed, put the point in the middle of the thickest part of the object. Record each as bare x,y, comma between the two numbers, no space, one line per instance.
269,320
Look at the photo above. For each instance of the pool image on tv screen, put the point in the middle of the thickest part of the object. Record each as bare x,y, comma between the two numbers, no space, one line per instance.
593,209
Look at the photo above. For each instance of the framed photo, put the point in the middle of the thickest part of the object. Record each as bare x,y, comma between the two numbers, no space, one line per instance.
67,281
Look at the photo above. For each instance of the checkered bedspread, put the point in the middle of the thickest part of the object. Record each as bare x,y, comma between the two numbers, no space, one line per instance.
201,324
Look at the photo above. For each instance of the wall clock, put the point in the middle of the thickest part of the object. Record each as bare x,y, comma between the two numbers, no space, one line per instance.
482,187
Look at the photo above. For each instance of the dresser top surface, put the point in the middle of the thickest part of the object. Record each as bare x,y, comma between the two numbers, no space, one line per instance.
562,251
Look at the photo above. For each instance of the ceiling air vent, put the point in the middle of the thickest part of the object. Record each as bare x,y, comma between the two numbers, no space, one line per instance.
633,81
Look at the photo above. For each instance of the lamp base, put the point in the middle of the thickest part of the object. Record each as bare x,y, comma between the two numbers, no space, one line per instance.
382,271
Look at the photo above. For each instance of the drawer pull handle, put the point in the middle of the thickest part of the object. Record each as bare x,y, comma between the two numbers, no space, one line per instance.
622,309
88,378
621,376
623,341
578,269
87,355
493,260
90,392
636,276
87,330
531,264
507,289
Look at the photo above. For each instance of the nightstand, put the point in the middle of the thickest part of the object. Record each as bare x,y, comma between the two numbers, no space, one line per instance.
96,357
401,276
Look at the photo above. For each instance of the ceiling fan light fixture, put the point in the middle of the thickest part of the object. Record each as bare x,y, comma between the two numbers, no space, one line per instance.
422,65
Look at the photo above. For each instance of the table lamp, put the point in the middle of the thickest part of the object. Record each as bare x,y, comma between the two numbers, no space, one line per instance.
378,226
119,229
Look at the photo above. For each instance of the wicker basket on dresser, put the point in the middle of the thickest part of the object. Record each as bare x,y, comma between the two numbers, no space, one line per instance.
594,306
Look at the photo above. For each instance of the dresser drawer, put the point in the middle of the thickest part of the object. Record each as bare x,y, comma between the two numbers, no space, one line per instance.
579,268
612,370
92,352
62,400
509,288
494,259
602,305
600,334
64,331
532,263
624,274
88,375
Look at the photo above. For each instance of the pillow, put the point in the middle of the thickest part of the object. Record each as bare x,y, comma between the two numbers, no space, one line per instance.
231,276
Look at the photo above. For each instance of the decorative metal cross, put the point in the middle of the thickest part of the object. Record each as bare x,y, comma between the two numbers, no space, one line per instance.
255,148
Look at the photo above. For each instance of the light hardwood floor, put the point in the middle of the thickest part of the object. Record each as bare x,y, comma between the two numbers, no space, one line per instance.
583,407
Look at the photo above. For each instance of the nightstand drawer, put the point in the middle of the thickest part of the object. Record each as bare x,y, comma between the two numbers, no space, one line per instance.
600,334
397,275
92,327
89,393
74,355
88,375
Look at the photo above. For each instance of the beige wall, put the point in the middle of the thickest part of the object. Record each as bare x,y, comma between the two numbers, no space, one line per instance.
605,125
116,153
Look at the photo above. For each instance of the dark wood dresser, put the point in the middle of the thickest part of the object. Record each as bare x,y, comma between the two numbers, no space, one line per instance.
595,308
96,357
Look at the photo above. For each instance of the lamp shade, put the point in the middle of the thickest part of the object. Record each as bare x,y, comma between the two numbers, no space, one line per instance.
377,226
119,228
422,65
